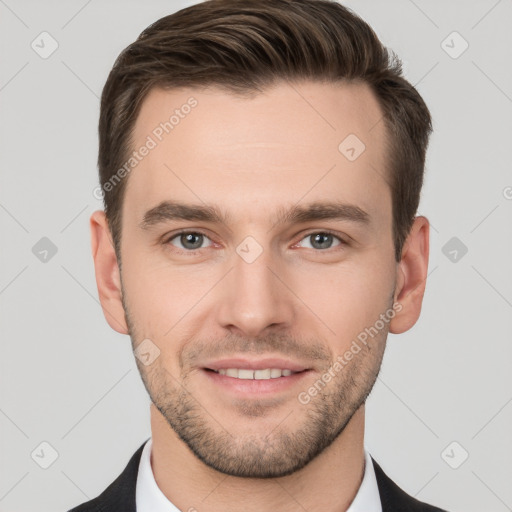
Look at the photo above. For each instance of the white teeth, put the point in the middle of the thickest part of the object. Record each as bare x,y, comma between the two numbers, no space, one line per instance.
262,374
242,373
245,374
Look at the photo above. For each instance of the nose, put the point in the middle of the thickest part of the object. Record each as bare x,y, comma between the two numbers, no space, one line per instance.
255,297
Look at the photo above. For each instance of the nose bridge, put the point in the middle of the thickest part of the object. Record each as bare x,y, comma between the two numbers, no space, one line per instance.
255,298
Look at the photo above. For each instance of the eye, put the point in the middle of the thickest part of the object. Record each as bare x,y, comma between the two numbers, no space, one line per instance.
188,240
322,240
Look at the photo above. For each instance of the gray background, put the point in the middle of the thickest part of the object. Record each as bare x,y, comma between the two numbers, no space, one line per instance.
68,380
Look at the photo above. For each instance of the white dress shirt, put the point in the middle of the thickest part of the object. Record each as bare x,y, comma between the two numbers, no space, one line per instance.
149,497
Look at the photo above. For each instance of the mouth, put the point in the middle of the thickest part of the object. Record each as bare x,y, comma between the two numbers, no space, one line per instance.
243,378
247,383
248,374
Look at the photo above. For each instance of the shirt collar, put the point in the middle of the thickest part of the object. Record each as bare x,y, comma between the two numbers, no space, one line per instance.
149,497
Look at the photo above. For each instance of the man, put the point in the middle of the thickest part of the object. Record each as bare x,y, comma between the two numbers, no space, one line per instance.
261,163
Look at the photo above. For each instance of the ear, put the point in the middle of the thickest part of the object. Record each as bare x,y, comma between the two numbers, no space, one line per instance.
106,268
411,277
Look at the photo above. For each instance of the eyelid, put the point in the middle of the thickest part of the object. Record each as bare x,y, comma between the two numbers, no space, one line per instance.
167,239
185,231
335,234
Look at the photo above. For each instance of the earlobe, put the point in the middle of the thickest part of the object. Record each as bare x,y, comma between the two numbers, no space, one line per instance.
411,277
106,269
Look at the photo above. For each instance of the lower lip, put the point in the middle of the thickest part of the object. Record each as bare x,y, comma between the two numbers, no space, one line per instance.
248,387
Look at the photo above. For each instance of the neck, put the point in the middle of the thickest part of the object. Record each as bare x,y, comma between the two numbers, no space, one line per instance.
328,483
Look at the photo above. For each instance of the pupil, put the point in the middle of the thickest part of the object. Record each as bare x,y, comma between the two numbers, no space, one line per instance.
188,240
322,240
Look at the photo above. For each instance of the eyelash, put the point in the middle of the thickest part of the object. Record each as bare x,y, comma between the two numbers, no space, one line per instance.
198,232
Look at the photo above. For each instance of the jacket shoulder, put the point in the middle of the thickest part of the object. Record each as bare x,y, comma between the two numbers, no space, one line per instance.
120,494
395,499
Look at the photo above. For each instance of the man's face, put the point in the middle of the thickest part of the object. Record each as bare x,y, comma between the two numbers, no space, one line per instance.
255,287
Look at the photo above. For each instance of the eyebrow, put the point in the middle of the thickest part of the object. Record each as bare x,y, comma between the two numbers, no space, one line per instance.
173,210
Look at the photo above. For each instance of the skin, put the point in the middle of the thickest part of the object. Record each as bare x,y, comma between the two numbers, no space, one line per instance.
250,156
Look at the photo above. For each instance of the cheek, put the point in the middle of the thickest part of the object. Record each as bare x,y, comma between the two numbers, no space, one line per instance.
340,299
161,296
348,298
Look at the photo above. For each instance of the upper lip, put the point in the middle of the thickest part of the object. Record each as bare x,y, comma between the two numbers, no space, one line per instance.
260,364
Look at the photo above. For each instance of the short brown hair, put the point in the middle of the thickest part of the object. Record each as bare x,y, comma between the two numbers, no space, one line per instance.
244,46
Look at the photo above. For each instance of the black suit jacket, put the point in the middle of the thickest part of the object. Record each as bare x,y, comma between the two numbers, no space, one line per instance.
119,496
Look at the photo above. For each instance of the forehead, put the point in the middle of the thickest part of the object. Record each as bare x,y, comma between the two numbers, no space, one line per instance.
290,143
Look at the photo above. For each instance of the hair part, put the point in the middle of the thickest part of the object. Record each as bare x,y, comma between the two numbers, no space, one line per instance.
245,46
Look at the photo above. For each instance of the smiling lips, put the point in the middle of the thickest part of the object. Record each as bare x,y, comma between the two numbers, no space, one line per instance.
264,369
243,373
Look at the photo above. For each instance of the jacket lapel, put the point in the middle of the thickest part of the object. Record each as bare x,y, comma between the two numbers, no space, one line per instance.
119,496
394,499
